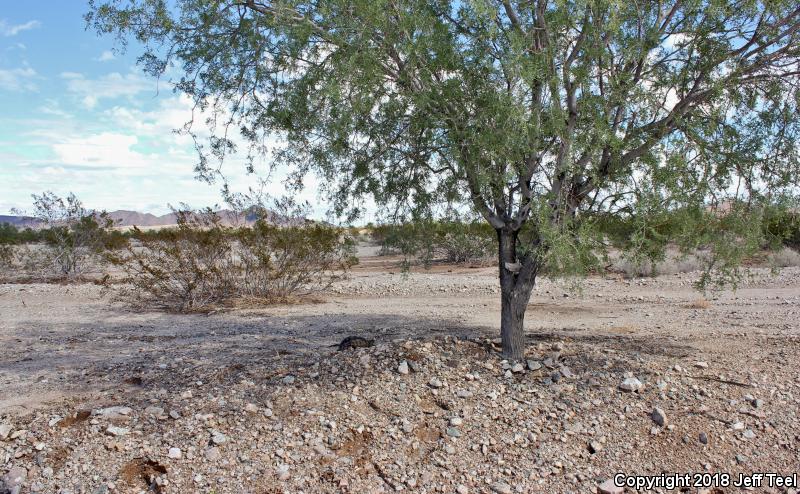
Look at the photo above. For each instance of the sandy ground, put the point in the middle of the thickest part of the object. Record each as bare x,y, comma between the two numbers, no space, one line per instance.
298,416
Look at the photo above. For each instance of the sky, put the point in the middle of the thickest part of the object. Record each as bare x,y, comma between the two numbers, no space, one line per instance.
78,116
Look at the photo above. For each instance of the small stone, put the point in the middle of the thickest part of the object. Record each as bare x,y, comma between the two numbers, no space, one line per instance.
13,480
175,453
453,432
595,447
517,368
456,421
218,438
435,383
501,488
630,385
534,365
749,434
154,411
659,417
758,403
462,489
701,365
464,393
557,346
283,472
741,459
738,426
251,408
403,368
173,414
566,372
39,446
703,437
213,454
608,487
116,431
289,379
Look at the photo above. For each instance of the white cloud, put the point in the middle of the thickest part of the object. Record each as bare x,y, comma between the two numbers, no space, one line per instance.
14,29
104,150
106,56
109,86
20,79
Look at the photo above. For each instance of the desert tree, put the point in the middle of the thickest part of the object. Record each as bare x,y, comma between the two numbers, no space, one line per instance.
538,114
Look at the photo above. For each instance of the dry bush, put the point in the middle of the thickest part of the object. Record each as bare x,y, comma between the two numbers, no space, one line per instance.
185,268
202,263
784,258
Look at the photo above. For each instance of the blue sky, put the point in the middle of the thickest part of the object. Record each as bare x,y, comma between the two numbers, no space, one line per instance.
78,117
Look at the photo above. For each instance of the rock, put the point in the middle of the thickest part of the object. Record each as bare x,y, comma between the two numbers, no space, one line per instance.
534,365
517,368
659,417
740,459
403,368
738,426
456,421
435,383
218,438
501,488
111,413
703,437
288,379
213,454
13,480
595,447
758,403
608,487
5,430
251,408
701,365
175,453
453,432
749,434
462,489
566,372
630,385
464,393
283,472
117,431
557,346
154,411
173,414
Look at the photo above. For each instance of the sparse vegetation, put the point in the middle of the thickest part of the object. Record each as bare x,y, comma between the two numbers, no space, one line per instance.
202,263
426,241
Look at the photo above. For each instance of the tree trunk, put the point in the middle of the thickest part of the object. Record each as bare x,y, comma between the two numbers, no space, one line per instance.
517,280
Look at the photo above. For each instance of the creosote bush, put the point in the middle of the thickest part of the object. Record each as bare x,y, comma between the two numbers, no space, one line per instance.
426,241
202,263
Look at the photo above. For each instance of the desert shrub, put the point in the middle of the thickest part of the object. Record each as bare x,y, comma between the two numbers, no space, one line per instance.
280,262
67,246
784,258
201,263
184,268
425,241
781,228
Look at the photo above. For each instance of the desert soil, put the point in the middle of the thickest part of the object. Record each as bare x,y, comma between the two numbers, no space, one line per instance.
97,397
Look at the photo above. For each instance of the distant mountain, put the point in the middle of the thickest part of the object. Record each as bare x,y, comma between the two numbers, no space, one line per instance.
125,218
19,221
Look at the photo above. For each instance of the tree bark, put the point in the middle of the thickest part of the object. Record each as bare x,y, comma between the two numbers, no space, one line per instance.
517,280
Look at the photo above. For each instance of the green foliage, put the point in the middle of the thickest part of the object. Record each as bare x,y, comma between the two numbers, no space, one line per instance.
545,118
425,241
782,227
202,263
